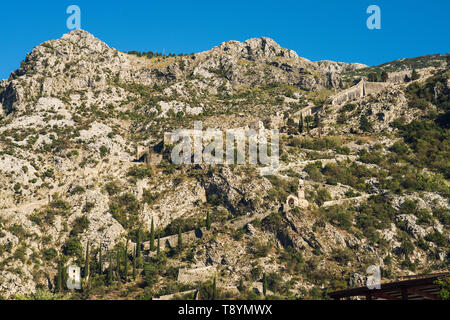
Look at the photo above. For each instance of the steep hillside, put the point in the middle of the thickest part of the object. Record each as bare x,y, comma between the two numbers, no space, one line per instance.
87,178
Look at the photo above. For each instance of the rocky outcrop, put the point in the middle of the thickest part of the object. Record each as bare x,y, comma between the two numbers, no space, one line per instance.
237,193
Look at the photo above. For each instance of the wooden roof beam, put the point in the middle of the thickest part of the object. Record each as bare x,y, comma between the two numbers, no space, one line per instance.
385,296
423,294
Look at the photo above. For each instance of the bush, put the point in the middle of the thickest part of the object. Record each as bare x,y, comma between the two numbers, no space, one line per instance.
78,190
375,213
73,247
125,209
60,204
104,151
372,77
81,224
140,172
437,238
364,124
342,256
443,215
339,217
112,188
349,107
260,250
150,274
50,254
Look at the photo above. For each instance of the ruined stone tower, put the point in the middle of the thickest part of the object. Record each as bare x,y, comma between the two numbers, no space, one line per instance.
302,202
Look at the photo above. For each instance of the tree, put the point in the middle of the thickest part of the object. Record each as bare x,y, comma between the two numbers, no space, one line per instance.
384,76
180,240
414,75
407,78
444,283
208,221
158,249
151,274
118,264
86,264
152,237
318,123
134,266
138,243
100,260
364,123
60,277
126,261
264,284
300,124
308,120
214,293
110,270
290,126
372,77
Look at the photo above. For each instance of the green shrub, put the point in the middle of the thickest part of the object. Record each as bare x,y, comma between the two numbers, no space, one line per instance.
78,190
50,254
437,238
113,188
140,172
80,225
73,247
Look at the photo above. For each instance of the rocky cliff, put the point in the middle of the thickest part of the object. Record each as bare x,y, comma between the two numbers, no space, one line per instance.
83,165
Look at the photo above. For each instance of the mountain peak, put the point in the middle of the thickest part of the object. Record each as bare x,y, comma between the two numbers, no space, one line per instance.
256,48
84,39
78,34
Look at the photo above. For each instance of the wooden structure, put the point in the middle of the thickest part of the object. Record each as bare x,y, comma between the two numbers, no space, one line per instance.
420,287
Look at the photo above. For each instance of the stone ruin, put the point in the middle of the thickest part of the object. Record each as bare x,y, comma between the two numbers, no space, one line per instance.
147,155
362,89
201,274
298,201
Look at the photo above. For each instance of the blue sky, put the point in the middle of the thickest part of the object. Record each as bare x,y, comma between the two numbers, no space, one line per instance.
320,29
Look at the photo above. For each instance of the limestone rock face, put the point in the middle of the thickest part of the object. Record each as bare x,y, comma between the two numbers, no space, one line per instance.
239,195
412,227
256,49
84,159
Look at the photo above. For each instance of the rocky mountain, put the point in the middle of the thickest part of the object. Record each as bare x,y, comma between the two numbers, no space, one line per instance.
87,179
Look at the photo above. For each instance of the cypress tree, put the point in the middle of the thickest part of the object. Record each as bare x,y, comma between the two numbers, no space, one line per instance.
100,260
126,262
60,277
152,237
110,270
180,240
158,249
307,119
214,293
208,221
87,262
300,124
134,266
118,264
364,123
264,284
319,125
138,244
316,120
